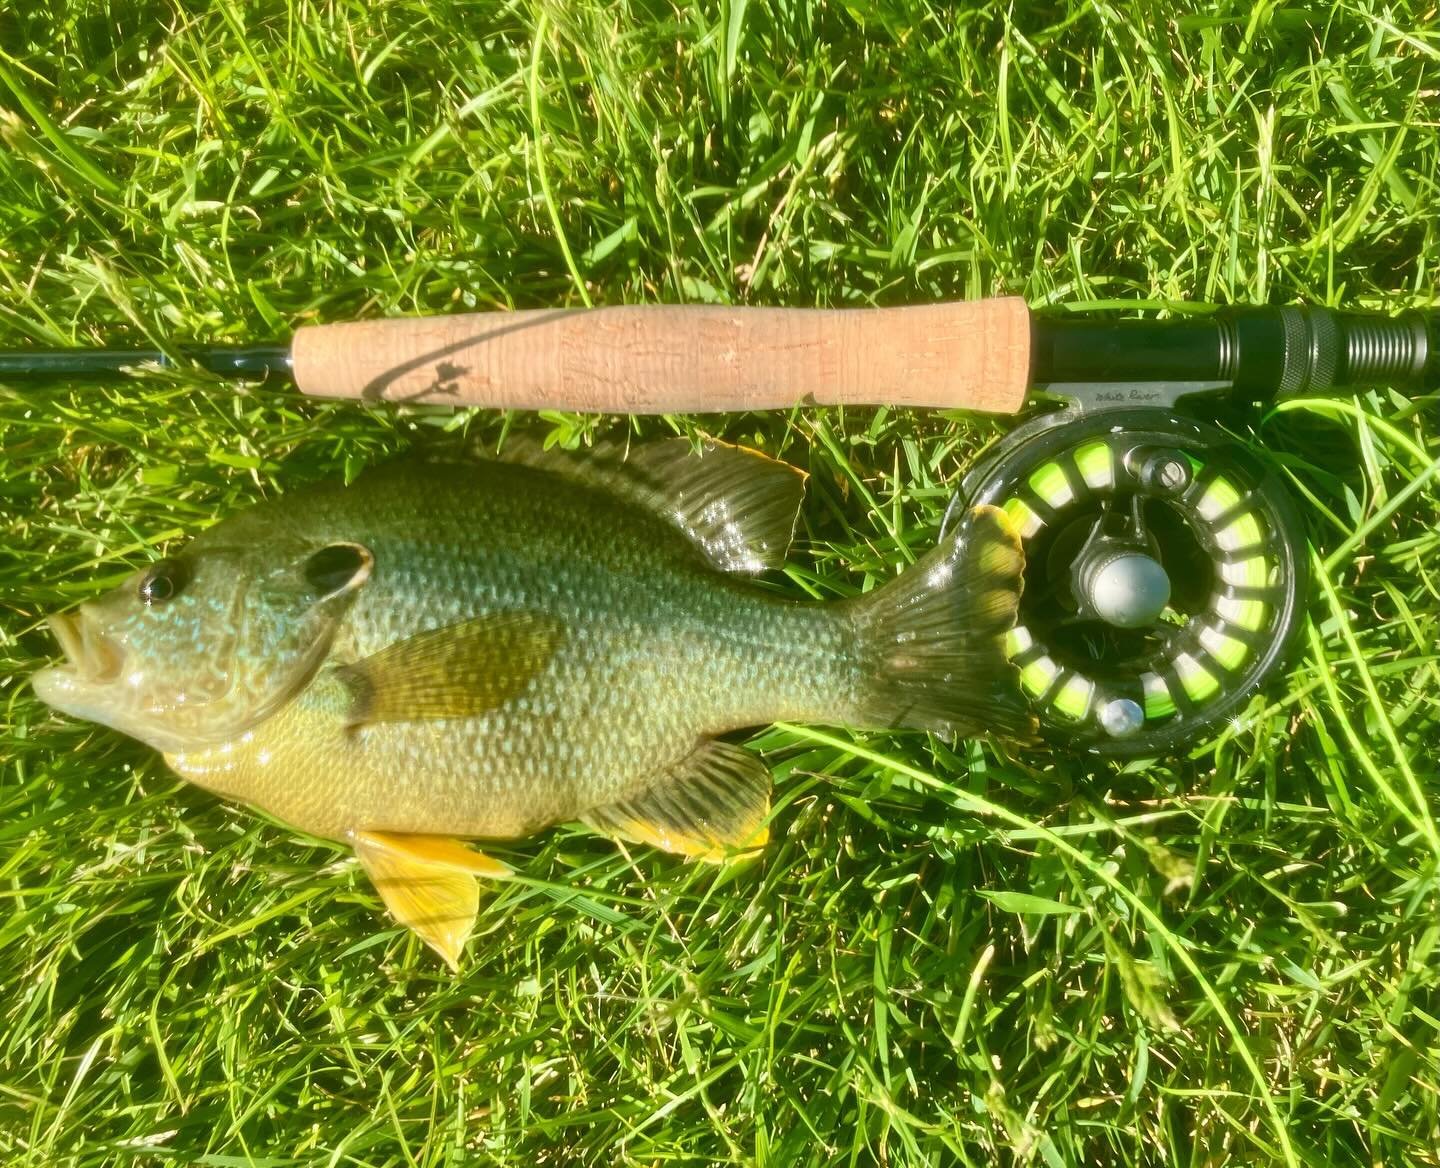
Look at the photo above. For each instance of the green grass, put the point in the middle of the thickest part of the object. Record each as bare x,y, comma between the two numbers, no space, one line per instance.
948,954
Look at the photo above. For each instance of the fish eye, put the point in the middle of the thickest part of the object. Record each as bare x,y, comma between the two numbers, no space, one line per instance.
337,568
164,580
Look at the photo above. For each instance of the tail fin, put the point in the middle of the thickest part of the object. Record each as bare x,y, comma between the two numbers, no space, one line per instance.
934,638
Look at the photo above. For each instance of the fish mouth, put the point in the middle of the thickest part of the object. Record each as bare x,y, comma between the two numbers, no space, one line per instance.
92,656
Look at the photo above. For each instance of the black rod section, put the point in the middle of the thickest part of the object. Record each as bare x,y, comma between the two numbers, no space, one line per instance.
1265,353
245,362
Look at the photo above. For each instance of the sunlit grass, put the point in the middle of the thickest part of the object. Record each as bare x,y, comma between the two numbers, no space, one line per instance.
947,954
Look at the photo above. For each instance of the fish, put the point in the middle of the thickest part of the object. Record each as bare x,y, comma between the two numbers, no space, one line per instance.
456,648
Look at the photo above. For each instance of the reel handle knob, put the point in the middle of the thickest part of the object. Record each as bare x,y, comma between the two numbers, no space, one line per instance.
1121,717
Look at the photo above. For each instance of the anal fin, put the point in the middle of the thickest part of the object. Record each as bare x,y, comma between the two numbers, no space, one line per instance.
715,800
428,884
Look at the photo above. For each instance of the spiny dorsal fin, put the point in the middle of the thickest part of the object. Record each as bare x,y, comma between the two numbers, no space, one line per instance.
739,506
456,671
713,801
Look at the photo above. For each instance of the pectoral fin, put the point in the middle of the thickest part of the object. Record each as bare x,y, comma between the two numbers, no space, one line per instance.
453,672
428,884
713,801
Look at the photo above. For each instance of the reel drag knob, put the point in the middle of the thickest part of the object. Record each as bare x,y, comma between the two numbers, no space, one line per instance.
1160,471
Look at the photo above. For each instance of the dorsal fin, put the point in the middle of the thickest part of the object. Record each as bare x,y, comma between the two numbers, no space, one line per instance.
739,506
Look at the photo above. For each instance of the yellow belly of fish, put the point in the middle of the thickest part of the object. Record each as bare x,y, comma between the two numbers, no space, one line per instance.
304,767
438,777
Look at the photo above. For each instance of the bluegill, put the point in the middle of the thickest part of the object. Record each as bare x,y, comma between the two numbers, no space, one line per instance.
457,649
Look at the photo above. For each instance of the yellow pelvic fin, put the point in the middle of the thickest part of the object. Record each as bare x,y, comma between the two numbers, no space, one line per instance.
713,801
428,884
453,672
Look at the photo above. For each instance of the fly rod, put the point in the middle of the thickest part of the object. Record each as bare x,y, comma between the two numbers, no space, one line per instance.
976,355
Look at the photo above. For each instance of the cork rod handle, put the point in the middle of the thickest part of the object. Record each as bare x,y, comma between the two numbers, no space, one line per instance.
972,355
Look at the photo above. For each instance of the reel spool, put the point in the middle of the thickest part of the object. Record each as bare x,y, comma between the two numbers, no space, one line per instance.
1165,574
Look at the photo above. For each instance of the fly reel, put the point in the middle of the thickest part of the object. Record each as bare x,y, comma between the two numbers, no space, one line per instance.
1165,574
1166,566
